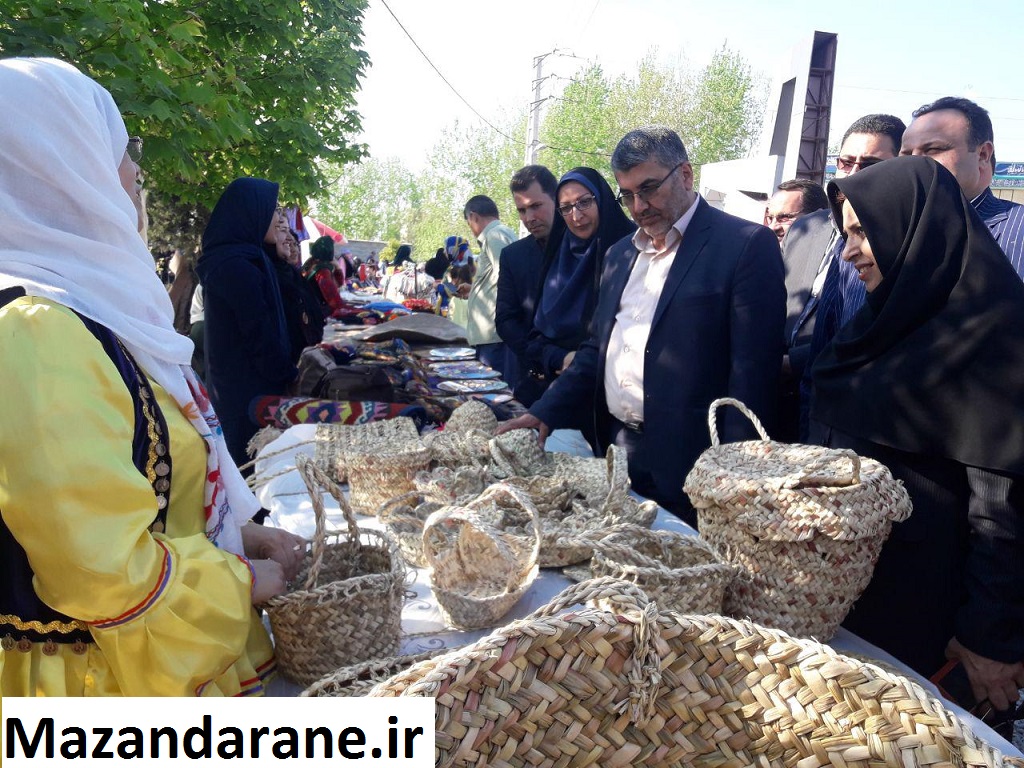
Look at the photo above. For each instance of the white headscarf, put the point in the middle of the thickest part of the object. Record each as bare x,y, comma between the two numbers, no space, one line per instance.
68,233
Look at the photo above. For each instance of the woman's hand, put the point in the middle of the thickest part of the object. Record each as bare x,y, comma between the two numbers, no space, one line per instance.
275,544
270,581
996,681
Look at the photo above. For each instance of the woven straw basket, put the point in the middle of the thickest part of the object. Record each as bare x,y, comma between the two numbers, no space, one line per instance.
377,474
679,572
349,606
359,679
404,517
567,534
483,556
636,687
333,441
804,525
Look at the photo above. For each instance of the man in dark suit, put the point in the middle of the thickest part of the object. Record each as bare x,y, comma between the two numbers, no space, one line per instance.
691,308
521,266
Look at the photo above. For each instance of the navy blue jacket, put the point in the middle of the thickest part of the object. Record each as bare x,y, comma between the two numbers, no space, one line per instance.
717,332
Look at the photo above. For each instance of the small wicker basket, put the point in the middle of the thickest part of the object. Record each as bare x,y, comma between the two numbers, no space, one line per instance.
804,525
637,687
678,572
349,607
404,517
379,473
333,441
483,556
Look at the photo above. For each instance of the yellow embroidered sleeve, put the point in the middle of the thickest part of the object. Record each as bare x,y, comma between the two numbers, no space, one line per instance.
168,611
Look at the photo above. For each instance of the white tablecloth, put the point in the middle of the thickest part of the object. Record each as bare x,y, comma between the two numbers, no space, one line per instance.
284,494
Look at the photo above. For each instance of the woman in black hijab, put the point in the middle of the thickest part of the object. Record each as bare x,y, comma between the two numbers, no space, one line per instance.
572,269
927,379
247,347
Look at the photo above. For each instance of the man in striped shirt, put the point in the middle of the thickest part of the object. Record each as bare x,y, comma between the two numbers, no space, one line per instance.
957,133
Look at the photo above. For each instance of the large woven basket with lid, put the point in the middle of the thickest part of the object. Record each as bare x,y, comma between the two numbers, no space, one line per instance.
804,524
638,687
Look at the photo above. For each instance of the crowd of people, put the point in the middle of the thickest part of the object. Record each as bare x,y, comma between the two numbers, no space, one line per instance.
882,314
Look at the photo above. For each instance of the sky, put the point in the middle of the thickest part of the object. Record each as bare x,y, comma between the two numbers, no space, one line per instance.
892,56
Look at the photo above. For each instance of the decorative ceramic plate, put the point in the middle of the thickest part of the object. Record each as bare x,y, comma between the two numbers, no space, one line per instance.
502,397
471,387
452,353
456,371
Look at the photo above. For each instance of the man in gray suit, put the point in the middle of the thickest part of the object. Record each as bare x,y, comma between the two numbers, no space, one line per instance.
808,250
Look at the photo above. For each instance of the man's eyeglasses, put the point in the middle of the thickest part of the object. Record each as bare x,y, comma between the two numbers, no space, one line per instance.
847,164
581,205
781,218
134,148
646,192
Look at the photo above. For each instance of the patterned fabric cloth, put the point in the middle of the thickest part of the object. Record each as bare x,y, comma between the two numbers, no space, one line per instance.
284,412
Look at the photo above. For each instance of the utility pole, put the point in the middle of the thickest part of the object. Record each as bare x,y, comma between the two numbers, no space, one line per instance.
533,121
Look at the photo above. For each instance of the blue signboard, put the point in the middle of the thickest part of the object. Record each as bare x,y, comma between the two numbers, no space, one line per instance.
1009,176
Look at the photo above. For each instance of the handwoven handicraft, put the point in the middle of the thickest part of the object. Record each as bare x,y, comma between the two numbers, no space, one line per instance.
348,605
482,555
638,687
804,524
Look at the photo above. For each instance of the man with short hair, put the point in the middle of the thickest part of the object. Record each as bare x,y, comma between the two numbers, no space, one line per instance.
521,267
690,308
793,199
957,133
481,215
822,289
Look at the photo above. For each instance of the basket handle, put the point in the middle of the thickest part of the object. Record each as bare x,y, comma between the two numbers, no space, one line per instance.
520,498
810,476
626,553
713,421
618,480
618,591
386,510
317,481
435,543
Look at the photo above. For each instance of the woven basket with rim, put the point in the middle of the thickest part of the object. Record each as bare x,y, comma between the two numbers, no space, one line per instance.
678,572
359,679
635,687
404,517
377,474
349,605
804,525
483,556
333,441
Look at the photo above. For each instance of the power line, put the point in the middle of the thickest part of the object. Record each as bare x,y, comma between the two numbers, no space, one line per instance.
489,124
441,75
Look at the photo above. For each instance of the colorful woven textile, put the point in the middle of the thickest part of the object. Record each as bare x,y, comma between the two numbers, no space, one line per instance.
284,412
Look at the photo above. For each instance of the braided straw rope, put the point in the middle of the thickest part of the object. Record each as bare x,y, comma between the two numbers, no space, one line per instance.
679,572
646,688
483,556
349,606
804,524
358,679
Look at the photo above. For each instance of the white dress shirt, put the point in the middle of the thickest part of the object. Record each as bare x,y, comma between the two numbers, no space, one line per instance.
624,364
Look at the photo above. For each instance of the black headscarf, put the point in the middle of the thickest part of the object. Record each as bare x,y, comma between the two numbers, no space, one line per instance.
932,363
235,233
571,279
402,255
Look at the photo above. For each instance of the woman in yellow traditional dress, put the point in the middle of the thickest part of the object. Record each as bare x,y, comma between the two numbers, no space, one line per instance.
123,567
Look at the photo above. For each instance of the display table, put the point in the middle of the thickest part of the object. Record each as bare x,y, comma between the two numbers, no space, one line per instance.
282,491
